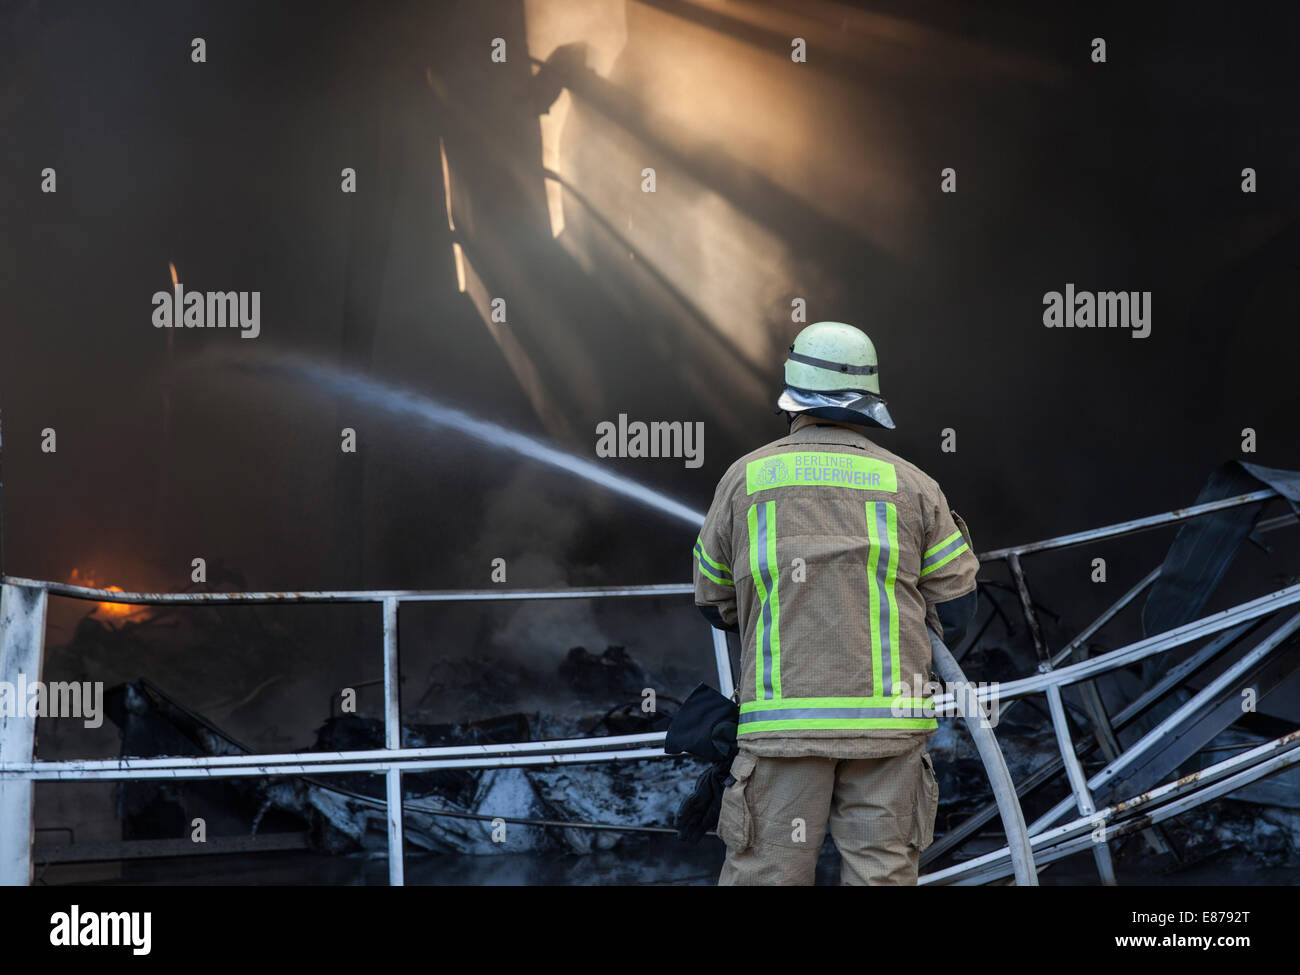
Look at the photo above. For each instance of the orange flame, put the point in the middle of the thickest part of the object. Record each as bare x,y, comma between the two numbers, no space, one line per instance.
116,610
172,268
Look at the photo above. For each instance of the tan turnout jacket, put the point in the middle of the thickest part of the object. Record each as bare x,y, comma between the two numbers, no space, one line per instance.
830,553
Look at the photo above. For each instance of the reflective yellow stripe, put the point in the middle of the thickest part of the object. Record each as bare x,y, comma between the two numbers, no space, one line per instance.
710,567
805,703
943,553
934,548
811,713
766,574
703,555
882,603
835,724
708,574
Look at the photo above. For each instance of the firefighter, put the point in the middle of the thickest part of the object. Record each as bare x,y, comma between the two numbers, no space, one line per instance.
829,555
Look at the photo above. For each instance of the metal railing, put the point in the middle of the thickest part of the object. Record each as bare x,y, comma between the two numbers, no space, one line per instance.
1230,625
22,624
22,636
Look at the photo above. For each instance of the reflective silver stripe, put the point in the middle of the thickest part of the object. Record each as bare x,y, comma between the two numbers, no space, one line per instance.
947,550
882,587
766,576
786,714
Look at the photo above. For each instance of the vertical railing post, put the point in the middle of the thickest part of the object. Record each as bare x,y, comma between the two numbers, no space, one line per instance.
393,739
1074,771
1078,781
722,656
1027,605
22,645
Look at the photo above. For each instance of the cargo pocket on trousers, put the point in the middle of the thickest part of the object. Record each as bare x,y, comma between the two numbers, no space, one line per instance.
736,822
927,803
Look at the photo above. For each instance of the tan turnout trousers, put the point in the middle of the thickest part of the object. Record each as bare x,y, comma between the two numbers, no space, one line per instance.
881,814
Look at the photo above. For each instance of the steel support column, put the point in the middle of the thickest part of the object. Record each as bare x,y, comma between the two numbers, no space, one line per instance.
22,645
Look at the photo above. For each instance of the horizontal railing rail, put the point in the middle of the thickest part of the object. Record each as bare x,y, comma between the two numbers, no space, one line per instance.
29,619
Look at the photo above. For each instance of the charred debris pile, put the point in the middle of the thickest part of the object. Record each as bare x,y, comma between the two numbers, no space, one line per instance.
545,808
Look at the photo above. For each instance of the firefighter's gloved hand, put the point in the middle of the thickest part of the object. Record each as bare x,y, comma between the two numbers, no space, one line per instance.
704,726
699,811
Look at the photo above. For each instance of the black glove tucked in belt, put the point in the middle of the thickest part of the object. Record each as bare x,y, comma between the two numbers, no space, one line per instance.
704,726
